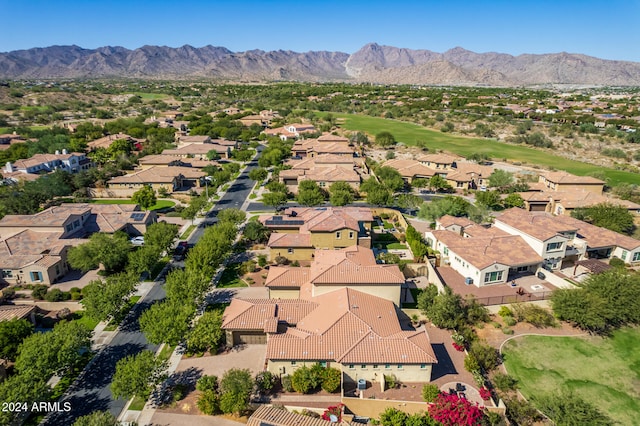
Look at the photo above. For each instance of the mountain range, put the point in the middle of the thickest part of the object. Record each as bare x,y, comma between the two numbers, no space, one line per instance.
372,63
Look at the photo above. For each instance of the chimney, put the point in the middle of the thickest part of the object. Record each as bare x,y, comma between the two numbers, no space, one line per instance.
57,152
9,167
64,151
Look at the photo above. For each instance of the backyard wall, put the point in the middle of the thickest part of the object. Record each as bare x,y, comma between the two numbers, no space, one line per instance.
374,407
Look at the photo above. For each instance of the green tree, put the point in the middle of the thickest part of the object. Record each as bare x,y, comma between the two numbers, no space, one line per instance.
447,310
166,322
161,235
235,389
569,409
43,354
256,232
209,402
607,215
393,417
341,194
103,299
213,155
449,205
12,333
430,392
309,193
143,259
265,381
137,375
487,356
439,184
97,418
409,201
489,199
207,334
235,216
109,250
500,179
390,178
145,197
331,379
426,297
513,200
259,174
274,199
22,388
385,139
379,196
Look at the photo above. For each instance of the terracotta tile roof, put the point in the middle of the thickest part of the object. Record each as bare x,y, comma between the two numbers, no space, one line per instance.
448,220
581,198
537,196
486,248
280,276
160,159
541,226
568,178
331,174
106,141
196,149
194,139
269,416
480,231
348,325
599,237
158,174
264,314
438,158
328,137
324,219
410,168
353,265
290,240
29,247
43,159
473,169
9,312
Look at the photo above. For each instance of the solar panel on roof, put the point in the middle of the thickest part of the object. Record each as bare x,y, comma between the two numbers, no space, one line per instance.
284,222
137,216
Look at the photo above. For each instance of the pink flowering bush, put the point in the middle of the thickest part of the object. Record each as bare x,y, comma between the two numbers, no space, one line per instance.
485,393
452,410
458,347
336,410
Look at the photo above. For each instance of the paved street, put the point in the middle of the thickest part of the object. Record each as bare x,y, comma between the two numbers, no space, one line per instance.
91,392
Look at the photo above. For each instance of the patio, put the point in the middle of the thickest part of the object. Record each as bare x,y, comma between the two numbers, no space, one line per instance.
527,287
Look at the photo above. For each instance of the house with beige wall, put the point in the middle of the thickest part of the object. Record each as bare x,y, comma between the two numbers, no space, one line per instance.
172,178
563,181
317,227
356,332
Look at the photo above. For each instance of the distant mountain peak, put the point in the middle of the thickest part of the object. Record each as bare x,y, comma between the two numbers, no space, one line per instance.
372,63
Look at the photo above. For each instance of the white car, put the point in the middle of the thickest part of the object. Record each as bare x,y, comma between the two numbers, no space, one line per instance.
137,241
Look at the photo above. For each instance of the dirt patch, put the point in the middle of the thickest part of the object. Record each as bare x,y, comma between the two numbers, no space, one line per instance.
496,336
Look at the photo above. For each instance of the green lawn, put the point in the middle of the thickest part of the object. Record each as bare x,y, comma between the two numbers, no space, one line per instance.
396,246
409,134
230,277
161,204
188,232
605,372
151,96
166,352
137,404
81,318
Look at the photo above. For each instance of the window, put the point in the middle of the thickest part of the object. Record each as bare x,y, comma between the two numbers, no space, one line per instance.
387,366
363,366
338,235
624,255
376,366
493,276
76,223
399,366
7,273
445,250
323,364
69,227
290,250
423,366
554,246
35,276
322,184
293,362
636,257
351,235
352,367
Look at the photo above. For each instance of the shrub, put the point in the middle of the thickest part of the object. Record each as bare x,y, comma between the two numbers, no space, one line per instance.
534,315
8,293
209,402
295,263
505,311
262,260
281,260
430,392
454,410
39,291
471,363
76,295
265,380
485,393
56,295
616,262
487,356
510,321
331,378
206,383
390,381
504,382
507,331
286,383
305,380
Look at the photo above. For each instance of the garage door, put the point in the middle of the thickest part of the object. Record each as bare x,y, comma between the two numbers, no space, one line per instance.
249,338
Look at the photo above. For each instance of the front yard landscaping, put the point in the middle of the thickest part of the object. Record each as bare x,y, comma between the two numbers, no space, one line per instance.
159,205
603,371
231,277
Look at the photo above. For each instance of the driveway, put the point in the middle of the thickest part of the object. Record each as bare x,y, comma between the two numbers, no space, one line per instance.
248,356
161,418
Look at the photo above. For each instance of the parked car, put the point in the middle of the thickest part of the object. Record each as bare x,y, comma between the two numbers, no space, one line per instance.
137,241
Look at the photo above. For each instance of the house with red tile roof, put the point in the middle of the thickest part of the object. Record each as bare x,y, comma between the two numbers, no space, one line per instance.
356,332
172,178
410,169
106,141
562,240
290,131
300,230
563,181
324,169
484,256
45,163
564,202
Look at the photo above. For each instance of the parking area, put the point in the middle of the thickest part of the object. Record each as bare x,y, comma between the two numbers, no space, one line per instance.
247,356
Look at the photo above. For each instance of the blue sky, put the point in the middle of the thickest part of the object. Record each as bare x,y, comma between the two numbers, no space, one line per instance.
606,29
